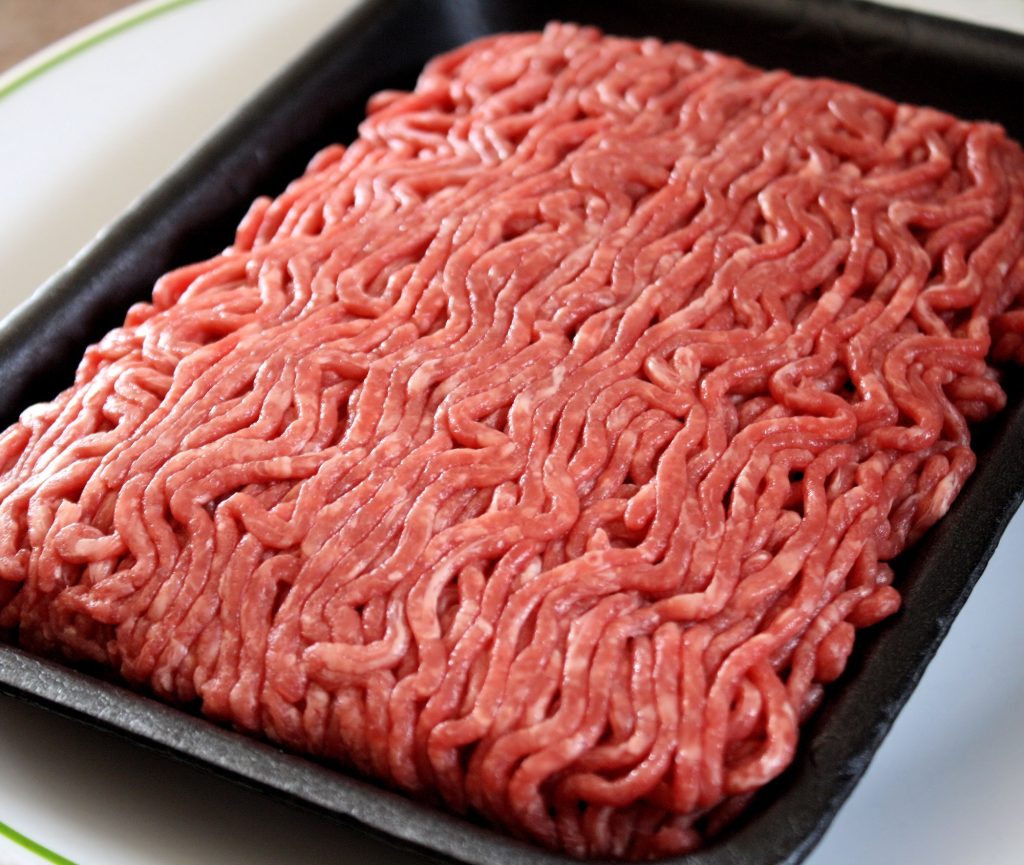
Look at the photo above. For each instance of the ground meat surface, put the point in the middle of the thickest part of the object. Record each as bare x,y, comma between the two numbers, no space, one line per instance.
540,452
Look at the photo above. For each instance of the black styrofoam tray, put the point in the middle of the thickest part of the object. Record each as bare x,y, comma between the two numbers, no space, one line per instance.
970,71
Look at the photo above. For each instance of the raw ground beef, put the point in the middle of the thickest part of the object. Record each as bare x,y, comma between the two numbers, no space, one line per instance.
540,452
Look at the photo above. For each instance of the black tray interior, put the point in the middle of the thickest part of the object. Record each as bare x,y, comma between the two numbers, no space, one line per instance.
969,71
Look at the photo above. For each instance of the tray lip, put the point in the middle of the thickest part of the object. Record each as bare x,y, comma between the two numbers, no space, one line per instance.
403,821
163,728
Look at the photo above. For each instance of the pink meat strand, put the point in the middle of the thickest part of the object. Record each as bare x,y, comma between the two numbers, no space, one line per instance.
539,453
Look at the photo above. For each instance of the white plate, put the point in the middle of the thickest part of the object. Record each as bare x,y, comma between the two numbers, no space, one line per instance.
86,136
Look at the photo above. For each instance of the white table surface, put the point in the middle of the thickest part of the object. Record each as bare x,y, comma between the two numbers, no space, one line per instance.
82,140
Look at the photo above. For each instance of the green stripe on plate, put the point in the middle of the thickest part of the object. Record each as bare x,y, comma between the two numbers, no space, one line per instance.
30,845
33,71
118,25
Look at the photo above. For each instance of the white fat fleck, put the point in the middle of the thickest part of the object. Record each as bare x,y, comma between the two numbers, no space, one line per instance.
419,380
832,302
636,747
578,665
532,570
836,574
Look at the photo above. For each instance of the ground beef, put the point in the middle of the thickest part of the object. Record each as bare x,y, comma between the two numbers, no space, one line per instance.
540,452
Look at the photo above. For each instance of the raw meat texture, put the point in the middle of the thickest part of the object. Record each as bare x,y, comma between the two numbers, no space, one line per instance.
540,452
